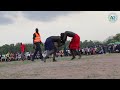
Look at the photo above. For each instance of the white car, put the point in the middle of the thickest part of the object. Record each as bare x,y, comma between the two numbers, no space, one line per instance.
3,58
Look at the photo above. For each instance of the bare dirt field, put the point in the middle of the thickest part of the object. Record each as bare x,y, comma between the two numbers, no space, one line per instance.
88,67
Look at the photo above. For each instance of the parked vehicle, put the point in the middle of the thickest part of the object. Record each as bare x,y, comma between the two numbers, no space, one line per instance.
3,58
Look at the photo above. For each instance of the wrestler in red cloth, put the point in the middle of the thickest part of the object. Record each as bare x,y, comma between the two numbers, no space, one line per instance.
74,45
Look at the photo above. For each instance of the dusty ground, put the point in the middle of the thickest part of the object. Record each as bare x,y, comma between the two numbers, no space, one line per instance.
89,67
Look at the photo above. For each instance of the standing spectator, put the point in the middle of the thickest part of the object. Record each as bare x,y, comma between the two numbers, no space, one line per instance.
22,49
94,51
103,47
109,49
0,56
119,48
8,56
86,50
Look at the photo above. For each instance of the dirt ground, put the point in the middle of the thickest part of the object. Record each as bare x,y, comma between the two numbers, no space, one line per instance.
88,67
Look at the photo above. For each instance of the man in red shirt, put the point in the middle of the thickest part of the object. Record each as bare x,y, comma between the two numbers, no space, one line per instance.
22,49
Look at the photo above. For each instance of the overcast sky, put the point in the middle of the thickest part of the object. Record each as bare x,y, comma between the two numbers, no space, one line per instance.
19,26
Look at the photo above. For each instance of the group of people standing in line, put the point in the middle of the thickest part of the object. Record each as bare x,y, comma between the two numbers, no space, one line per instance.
52,44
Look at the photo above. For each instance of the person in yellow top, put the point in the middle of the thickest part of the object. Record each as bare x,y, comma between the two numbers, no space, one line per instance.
37,41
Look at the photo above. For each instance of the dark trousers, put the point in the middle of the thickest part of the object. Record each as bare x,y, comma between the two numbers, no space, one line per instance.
22,56
50,52
38,48
75,52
